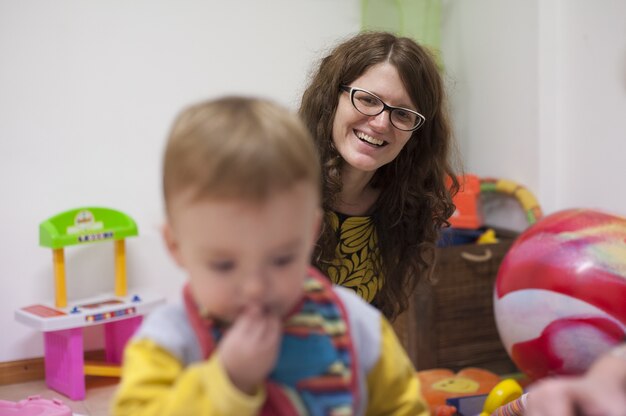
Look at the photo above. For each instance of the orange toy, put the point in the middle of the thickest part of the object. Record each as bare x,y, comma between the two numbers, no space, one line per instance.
439,384
468,213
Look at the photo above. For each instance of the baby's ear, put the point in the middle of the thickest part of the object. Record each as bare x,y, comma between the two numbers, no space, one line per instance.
171,243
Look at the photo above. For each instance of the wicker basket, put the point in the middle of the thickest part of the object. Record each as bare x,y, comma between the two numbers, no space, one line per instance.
450,324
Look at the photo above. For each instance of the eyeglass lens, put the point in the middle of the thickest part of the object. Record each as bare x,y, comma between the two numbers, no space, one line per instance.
371,105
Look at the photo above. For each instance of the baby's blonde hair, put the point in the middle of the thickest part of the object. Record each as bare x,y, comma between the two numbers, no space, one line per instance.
237,148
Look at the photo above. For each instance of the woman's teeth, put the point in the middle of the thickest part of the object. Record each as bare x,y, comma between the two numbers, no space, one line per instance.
369,139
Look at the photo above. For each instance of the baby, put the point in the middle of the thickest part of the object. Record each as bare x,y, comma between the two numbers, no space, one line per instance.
258,330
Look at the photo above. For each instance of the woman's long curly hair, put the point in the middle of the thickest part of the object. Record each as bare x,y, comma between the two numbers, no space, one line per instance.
416,188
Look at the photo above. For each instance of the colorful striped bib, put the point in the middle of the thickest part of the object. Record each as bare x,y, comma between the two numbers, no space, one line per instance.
316,369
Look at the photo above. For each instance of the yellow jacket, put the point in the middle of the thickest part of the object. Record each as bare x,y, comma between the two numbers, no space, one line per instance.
164,374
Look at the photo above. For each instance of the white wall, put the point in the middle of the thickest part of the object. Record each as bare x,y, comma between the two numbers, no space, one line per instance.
592,105
538,90
88,91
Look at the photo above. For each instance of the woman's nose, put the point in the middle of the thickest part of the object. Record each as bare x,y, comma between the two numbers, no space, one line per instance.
380,121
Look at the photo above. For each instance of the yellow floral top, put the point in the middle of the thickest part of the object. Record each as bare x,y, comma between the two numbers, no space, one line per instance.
357,255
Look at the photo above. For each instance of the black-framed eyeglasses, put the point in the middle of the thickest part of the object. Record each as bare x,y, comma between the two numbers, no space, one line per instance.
370,104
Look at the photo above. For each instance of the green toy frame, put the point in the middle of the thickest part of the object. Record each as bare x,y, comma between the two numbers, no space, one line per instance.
86,225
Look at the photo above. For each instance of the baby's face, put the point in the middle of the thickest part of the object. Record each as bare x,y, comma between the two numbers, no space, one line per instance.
239,254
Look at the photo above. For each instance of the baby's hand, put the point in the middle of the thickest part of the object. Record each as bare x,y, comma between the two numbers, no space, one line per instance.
250,348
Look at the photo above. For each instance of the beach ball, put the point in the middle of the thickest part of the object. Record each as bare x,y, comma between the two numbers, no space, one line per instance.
560,292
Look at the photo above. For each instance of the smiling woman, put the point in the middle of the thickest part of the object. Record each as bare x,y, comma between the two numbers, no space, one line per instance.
377,110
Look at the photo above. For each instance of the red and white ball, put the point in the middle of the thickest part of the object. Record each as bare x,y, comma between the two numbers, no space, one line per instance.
560,293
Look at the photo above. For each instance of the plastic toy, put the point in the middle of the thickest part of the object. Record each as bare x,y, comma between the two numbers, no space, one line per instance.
62,322
34,406
498,399
467,222
505,399
515,408
488,237
559,298
439,384
467,214
506,187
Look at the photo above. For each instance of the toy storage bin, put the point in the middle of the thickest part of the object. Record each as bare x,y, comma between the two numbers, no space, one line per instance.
450,323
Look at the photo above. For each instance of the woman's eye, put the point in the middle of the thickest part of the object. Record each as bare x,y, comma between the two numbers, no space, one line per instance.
222,266
403,115
368,101
283,260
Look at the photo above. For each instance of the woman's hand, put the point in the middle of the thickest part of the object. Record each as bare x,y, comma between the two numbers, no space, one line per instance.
250,348
599,392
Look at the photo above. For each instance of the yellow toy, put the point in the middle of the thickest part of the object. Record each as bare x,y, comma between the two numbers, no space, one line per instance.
503,394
